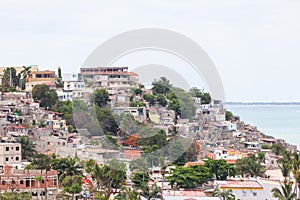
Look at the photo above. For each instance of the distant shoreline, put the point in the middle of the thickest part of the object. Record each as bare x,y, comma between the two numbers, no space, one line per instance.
262,103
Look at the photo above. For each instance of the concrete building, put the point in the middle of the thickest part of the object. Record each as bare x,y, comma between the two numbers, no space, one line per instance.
10,154
41,77
64,95
13,180
49,144
249,189
109,77
139,113
73,85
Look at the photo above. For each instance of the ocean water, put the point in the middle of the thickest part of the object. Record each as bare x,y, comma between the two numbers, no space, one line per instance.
280,121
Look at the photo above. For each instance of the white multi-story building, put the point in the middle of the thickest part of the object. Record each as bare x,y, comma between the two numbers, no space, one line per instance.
73,88
10,154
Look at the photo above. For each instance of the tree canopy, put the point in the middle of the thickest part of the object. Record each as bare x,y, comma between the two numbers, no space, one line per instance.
100,97
220,168
46,96
189,177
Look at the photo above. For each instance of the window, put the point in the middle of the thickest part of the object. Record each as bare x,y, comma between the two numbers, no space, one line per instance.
3,182
244,192
7,159
27,182
17,148
17,158
34,194
12,148
255,194
21,182
7,148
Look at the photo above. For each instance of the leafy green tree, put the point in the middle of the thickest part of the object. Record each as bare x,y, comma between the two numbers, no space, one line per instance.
286,192
70,129
149,98
100,97
89,165
138,91
41,162
46,96
140,179
224,194
161,100
15,196
189,177
265,146
229,116
182,103
59,83
220,168
72,184
106,120
137,104
205,96
27,147
161,86
66,108
10,78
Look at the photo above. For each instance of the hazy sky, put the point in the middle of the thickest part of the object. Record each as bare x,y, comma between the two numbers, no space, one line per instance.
255,44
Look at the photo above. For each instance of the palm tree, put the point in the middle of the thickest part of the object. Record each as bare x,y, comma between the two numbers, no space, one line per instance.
296,172
285,164
97,174
66,167
286,192
153,192
39,179
250,166
127,193
25,73
27,147
224,194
